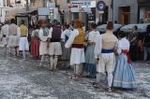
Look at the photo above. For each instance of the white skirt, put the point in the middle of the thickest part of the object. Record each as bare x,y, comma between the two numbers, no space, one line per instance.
23,44
77,56
13,41
4,41
43,50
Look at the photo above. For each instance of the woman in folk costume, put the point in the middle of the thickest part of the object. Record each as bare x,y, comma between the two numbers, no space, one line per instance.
23,42
65,57
35,42
43,35
76,42
65,36
90,66
124,74
54,44
104,53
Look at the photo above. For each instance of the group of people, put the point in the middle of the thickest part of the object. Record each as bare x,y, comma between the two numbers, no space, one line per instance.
90,53
14,37
140,44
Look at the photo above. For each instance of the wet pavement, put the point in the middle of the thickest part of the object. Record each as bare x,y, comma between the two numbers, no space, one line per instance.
23,79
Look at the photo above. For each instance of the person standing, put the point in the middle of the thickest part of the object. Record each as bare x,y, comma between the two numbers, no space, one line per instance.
65,57
65,36
133,38
4,33
54,44
35,42
124,74
105,56
23,41
43,35
76,42
13,39
147,44
90,66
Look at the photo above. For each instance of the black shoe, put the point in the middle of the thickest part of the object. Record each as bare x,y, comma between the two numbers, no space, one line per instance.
95,85
109,89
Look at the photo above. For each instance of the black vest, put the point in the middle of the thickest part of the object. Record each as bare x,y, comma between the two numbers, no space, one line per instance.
56,34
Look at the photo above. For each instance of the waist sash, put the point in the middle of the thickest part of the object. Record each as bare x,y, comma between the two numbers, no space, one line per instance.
125,52
107,50
77,46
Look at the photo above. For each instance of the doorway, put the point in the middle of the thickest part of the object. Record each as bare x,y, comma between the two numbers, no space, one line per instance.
124,15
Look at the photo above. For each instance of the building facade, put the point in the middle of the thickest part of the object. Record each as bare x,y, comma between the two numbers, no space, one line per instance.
143,10
70,14
9,8
125,11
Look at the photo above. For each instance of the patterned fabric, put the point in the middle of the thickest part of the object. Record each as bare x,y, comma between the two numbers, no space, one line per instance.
45,32
36,33
131,36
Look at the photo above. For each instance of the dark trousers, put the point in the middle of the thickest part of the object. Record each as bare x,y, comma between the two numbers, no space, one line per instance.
133,52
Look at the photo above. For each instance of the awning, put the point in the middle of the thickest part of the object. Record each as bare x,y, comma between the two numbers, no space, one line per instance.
141,27
102,28
30,11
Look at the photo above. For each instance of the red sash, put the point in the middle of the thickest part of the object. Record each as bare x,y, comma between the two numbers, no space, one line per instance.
127,54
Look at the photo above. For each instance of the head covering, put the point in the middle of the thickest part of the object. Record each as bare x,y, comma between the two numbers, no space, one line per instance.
110,25
43,22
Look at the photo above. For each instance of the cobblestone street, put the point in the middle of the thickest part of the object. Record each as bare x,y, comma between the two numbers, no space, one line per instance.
22,79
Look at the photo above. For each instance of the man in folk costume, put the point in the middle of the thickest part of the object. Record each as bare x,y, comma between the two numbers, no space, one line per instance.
43,35
76,42
4,33
23,41
55,49
13,39
104,53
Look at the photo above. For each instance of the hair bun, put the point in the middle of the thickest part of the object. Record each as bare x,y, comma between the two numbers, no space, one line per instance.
110,25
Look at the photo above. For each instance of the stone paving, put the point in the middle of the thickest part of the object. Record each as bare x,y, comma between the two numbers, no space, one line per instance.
22,79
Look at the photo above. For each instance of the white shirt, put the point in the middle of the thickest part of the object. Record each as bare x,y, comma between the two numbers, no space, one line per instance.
92,36
5,30
67,33
72,36
123,44
41,36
